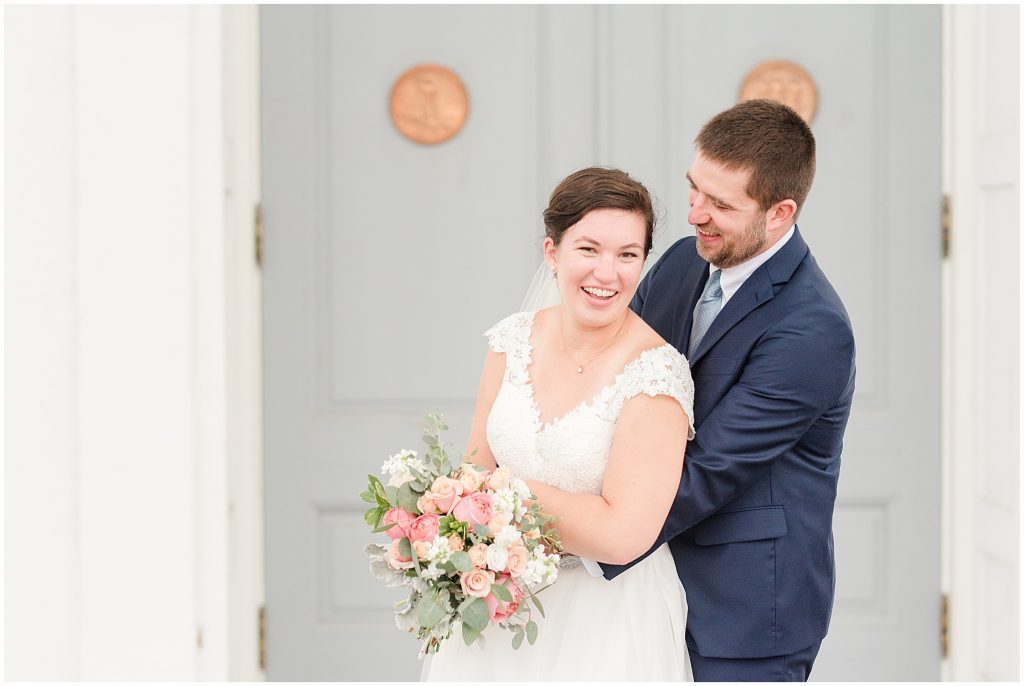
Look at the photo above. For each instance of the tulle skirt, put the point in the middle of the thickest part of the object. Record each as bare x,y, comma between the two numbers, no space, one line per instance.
629,629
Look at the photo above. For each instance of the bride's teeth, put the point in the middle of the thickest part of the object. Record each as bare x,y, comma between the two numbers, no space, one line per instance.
599,292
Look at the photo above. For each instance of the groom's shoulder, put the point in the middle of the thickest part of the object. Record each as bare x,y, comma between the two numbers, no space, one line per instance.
680,254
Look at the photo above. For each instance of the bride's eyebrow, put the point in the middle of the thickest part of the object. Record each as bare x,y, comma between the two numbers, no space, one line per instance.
587,239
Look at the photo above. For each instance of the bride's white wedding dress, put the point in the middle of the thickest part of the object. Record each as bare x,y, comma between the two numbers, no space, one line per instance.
628,629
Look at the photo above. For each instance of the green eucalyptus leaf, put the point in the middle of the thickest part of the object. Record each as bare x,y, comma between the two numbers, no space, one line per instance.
501,593
518,640
531,631
469,634
405,548
461,561
429,612
407,498
536,601
476,615
370,517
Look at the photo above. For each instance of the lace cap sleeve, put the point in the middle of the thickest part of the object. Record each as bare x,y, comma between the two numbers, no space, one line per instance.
663,371
512,336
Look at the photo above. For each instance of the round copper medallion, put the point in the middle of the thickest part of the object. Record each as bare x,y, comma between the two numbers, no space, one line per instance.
785,82
429,104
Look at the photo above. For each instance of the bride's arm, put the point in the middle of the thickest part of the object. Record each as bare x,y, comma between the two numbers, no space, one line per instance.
490,382
644,468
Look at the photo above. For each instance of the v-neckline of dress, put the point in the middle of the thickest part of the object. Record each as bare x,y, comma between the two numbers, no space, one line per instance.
540,426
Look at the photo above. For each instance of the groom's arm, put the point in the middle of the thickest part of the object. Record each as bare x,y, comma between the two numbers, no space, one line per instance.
793,376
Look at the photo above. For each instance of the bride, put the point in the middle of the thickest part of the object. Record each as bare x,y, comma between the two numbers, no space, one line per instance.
593,408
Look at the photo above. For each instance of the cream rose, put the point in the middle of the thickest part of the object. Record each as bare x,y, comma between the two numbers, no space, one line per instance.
455,543
499,520
500,478
518,556
471,479
478,555
477,582
422,549
426,505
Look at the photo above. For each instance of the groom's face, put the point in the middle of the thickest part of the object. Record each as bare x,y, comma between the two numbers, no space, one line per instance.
731,228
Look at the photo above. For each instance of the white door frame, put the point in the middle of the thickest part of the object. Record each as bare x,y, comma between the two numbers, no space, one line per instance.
244,430
981,308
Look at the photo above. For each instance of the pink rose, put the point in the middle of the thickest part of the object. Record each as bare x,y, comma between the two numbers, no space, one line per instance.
423,528
426,505
474,508
478,555
455,543
396,559
500,478
518,556
401,519
500,609
477,582
445,493
471,479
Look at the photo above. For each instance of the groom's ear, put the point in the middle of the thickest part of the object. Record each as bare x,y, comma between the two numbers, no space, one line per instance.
781,214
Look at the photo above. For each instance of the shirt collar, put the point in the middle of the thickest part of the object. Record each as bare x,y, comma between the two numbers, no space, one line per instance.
733,277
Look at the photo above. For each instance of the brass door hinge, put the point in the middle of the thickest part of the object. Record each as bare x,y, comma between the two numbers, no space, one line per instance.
263,637
946,224
944,625
258,233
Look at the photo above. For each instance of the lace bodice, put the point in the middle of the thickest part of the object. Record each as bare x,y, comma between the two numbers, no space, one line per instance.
571,452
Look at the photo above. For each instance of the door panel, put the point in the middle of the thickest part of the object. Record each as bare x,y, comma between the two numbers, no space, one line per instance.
385,261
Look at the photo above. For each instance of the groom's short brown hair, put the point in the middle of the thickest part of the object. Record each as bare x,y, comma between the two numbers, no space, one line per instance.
769,139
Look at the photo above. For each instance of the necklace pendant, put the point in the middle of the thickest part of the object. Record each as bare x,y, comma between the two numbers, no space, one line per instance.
579,370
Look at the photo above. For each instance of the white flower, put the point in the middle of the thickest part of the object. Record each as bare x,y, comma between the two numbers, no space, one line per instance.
431,573
507,536
522,489
439,552
398,467
505,500
533,573
497,558
542,569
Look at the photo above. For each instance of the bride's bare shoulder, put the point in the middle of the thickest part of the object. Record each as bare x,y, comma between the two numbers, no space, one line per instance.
644,336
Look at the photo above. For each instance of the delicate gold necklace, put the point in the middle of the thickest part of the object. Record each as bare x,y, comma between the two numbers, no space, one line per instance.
579,367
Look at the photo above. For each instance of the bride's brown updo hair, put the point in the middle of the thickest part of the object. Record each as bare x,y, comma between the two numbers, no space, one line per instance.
596,188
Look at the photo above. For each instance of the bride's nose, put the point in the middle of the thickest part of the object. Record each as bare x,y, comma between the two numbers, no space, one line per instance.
604,270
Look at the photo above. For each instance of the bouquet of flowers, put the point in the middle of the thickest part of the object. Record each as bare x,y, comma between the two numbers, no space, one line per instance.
470,543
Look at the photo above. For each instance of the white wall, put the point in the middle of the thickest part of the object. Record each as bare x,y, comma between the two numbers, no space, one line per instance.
119,543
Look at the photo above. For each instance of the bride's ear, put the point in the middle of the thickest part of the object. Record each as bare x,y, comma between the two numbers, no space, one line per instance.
550,254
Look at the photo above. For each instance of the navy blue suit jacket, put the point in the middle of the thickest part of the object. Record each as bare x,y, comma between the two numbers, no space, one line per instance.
751,525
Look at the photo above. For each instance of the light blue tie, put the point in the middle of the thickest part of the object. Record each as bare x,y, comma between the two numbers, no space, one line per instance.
706,311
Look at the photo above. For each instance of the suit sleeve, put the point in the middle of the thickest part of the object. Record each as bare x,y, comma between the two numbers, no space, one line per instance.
797,372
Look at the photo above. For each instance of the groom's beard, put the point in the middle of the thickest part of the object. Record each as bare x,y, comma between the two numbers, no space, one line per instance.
737,249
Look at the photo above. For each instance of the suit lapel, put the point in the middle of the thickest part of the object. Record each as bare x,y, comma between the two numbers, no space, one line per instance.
758,289
689,292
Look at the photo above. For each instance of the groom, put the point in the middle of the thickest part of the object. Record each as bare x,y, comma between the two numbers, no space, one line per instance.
772,356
